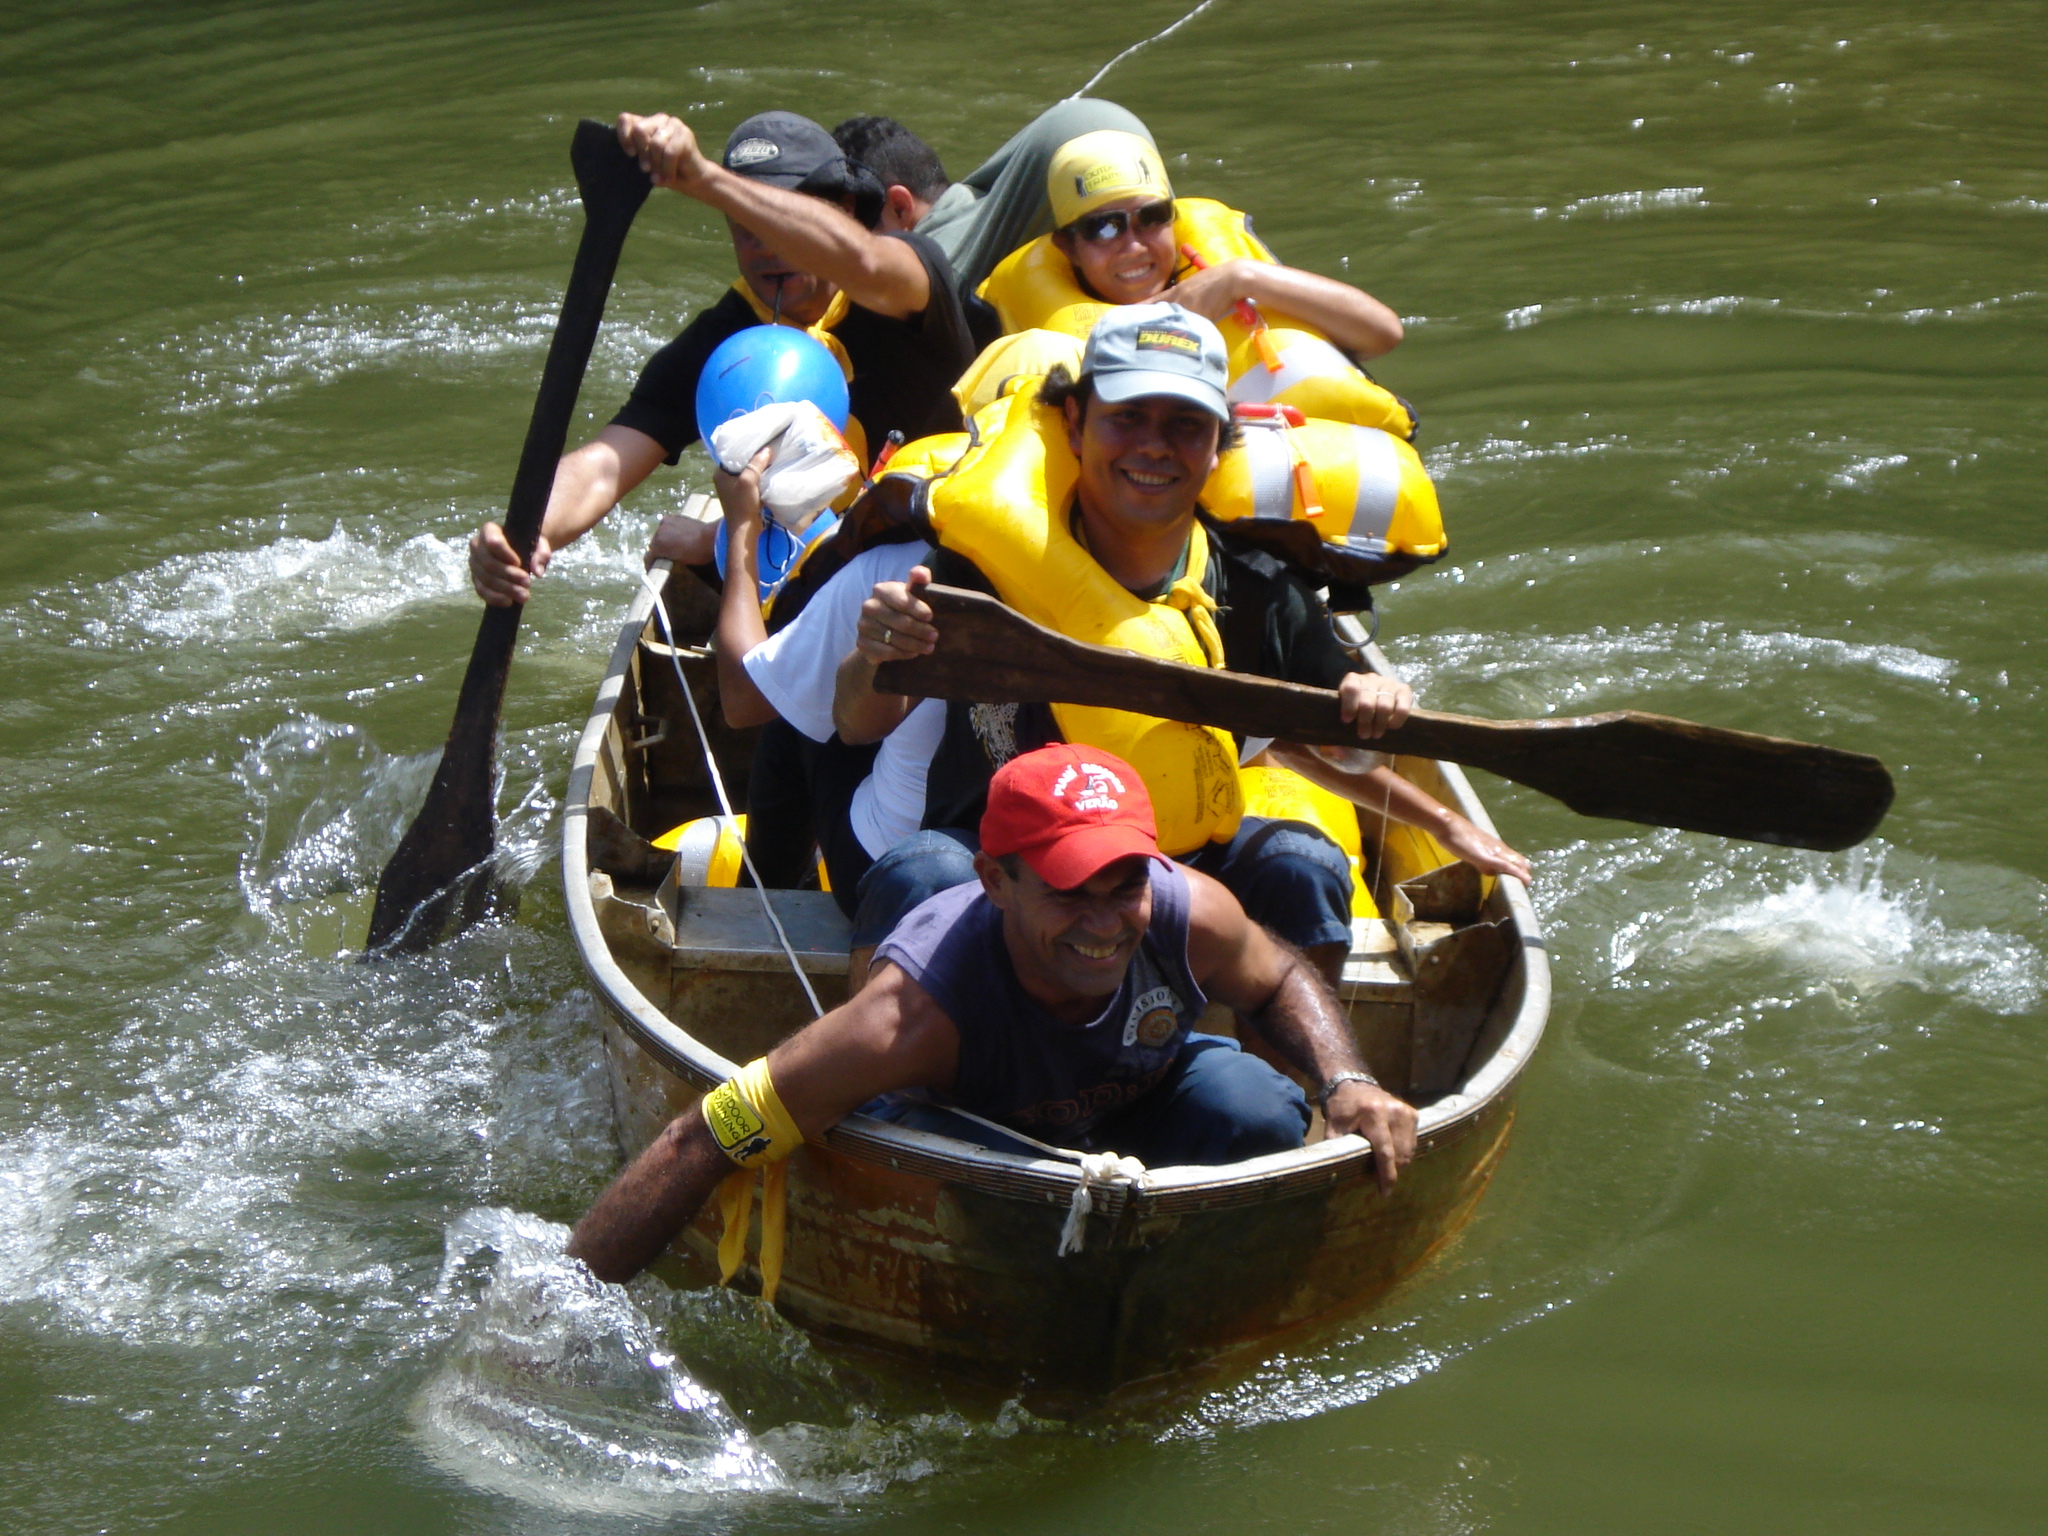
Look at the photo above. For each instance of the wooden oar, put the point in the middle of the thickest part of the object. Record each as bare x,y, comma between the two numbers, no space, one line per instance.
442,867
1623,764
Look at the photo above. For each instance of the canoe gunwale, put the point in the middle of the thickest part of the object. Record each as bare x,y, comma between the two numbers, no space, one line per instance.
1168,1190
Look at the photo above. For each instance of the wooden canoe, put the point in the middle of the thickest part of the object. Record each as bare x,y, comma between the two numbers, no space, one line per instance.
929,1246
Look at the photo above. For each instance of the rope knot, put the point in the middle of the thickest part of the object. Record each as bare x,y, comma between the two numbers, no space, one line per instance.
1099,1170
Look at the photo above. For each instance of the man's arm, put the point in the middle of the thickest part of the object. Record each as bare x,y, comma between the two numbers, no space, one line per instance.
809,233
895,625
1237,962
889,1036
588,484
1350,317
1383,790
740,625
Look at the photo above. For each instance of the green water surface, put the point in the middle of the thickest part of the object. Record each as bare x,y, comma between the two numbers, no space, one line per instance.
1726,326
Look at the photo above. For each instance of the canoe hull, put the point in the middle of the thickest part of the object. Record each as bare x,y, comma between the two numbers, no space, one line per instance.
927,1246
973,1279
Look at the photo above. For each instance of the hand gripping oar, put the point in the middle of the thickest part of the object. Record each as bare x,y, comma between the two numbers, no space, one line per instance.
442,866
1623,764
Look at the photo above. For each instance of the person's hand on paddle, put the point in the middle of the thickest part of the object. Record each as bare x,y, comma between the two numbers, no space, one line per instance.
1373,702
666,148
1482,850
895,622
495,571
1368,1110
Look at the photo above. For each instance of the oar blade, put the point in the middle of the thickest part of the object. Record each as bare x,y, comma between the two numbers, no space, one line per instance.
1631,766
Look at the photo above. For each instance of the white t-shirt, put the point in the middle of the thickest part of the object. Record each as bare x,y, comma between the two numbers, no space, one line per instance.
795,670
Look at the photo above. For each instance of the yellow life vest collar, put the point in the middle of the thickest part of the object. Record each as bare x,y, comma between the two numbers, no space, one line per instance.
1183,587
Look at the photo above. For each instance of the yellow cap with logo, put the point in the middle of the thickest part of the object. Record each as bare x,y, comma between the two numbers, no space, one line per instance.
1099,168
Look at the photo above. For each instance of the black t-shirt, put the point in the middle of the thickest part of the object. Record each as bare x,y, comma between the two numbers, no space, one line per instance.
903,370
1271,622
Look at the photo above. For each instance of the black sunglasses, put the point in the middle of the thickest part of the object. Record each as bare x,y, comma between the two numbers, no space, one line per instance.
1114,224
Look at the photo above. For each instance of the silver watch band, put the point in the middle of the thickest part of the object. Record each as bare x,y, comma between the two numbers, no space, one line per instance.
1323,1098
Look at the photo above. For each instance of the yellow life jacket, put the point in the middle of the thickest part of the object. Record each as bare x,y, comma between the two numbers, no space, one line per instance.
1034,287
1005,508
1007,363
1373,498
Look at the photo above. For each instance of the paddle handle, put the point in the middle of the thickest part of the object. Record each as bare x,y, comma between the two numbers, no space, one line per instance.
612,187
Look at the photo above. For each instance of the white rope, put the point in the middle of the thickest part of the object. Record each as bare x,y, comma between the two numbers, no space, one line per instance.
1096,78
718,788
1099,1170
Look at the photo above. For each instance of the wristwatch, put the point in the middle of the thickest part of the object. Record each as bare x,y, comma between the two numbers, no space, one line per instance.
1323,1098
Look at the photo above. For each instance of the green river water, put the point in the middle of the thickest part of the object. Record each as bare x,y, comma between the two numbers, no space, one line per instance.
1725,324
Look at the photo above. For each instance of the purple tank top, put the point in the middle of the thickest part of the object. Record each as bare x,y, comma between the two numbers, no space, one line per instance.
1019,1065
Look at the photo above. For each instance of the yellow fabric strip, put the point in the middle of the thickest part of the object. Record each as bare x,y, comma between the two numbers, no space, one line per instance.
822,331
747,1120
735,1206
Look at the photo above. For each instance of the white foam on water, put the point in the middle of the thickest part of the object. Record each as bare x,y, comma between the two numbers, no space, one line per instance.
1625,205
292,588
283,590
1834,920
558,1390
1559,673
256,359
1858,473
573,1395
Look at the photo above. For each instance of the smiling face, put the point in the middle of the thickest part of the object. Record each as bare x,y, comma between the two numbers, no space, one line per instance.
1143,462
804,295
1124,269
1071,948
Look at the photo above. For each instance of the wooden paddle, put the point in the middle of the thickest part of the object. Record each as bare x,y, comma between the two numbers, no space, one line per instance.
442,867
1623,764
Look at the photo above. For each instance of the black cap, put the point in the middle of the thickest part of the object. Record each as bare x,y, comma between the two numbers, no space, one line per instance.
788,150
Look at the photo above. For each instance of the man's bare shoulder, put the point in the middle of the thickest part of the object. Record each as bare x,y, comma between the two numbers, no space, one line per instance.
890,1036
1215,918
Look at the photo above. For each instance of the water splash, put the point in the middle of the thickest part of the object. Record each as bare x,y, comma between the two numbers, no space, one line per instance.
288,589
560,1391
1836,921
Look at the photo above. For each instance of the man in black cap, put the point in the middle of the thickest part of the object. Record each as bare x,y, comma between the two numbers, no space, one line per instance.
812,233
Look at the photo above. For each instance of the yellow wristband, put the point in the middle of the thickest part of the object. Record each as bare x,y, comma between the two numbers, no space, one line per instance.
747,1119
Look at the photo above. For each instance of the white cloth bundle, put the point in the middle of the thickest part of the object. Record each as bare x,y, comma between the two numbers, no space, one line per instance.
812,466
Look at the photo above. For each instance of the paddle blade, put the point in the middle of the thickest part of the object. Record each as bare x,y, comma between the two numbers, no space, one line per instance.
1630,766
1625,765
440,874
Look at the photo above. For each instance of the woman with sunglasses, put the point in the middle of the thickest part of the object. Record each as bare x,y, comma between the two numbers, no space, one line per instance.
1120,240
1295,337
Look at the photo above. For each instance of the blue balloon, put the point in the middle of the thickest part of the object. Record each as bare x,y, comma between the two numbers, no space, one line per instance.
768,365
777,551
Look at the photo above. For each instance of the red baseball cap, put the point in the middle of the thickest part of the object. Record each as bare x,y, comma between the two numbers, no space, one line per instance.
1069,811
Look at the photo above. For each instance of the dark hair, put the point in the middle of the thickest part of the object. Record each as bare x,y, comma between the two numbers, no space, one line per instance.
1011,864
1060,386
895,154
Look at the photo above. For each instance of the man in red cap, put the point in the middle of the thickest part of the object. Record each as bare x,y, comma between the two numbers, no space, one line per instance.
1056,997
